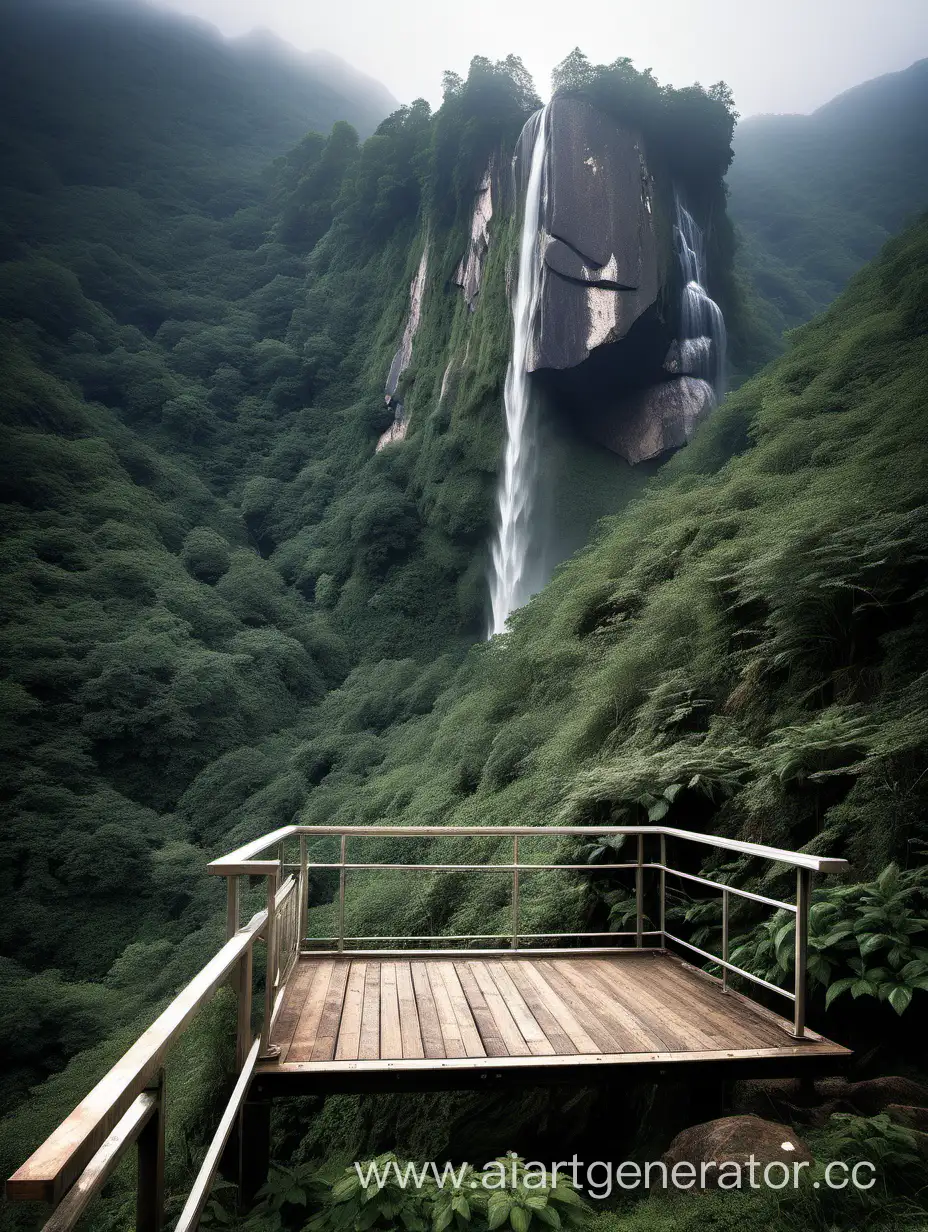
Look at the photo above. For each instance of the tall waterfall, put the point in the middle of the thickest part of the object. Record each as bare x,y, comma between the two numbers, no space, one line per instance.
704,340
510,586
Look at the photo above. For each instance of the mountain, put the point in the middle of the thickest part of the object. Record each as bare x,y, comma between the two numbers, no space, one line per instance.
816,196
122,93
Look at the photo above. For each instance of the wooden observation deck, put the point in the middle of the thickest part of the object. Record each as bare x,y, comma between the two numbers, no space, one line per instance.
345,1013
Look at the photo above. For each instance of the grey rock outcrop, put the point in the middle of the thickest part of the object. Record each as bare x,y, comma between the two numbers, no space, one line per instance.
601,270
401,360
653,420
469,273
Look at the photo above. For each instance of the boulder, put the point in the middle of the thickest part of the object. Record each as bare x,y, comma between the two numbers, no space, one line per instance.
734,1139
912,1116
691,357
654,420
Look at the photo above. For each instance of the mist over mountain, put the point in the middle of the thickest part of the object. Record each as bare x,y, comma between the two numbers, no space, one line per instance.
90,87
817,196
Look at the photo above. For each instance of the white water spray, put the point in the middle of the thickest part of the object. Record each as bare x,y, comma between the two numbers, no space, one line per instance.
704,340
509,585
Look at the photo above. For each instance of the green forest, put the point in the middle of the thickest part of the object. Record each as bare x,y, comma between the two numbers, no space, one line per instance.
224,610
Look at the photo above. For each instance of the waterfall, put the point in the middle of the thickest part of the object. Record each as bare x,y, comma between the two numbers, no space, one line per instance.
509,585
703,342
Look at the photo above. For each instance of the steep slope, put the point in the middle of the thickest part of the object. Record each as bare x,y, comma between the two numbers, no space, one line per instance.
743,650
816,196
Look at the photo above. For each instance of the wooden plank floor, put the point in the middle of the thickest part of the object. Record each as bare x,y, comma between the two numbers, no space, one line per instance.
473,1011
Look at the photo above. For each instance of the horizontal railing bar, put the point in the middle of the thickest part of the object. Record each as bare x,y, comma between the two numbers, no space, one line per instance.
193,1207
480,936
102,1165
717,885
51,1169
479,868
233,862
284,892
502,952
720,962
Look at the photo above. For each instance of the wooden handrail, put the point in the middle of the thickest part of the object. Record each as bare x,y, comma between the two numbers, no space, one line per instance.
196,1200
51,1170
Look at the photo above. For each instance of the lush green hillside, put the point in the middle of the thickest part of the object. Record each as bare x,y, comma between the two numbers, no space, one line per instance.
816,196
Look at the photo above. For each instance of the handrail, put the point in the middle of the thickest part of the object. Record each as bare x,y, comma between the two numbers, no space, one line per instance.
243,861
52,1169
196,1200
244,855
103,1164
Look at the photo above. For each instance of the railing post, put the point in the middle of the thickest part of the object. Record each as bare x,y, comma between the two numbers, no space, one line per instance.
341,893
515,892
639,894
245,979
232,906
270,975
803,896
725,905
304,894
663,890
233,903
149,1203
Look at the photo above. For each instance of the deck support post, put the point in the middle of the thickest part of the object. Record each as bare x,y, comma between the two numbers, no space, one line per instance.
803,897
254,1148
149,1203
725,907
232,906
663,891
515,893
639,895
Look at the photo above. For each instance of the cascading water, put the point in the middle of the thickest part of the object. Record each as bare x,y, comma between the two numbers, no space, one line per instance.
703,342
510,586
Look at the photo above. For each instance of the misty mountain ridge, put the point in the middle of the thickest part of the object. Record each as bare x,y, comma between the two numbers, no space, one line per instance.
816,196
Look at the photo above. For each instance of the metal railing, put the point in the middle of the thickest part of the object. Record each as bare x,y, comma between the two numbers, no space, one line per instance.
246,861
127,1106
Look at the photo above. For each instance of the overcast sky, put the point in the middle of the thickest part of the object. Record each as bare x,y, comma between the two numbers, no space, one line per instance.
777,55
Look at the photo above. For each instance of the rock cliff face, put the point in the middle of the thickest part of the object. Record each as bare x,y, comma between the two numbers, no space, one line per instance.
469,273
607,347
599,244
401,360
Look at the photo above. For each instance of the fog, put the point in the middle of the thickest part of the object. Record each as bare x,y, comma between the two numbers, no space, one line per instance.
777,55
